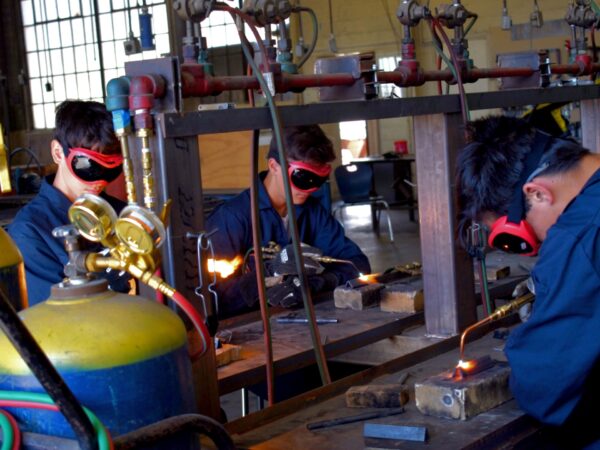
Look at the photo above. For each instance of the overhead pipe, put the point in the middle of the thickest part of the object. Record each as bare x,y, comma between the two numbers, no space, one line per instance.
196,83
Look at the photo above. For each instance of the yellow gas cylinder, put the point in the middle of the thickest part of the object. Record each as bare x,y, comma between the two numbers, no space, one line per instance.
124,357
12,272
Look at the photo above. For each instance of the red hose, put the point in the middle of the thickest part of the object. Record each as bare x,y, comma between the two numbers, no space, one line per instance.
15,428
196,319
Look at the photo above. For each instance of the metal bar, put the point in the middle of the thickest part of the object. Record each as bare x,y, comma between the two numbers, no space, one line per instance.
307,357
448,270
205,122
590,118
245,400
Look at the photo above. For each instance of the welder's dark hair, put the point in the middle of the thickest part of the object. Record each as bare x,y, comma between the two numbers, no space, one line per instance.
85,124
307,143
489,167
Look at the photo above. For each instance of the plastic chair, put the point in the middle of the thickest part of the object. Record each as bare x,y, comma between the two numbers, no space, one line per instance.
355,183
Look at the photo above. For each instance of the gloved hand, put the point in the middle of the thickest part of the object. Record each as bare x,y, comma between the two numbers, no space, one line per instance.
288,293
521,289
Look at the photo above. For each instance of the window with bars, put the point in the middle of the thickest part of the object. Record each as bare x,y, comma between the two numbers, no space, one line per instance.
75,46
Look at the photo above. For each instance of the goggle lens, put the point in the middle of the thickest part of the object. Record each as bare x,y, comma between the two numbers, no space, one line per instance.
305,180
512,244
89,170
90,166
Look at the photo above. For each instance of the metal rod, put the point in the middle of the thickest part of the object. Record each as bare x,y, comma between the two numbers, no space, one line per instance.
352,419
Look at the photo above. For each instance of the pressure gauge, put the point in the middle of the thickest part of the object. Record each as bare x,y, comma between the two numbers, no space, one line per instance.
139,229
93,217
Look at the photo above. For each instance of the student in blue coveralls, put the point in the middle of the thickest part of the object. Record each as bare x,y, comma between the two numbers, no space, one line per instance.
88,156
309,155
534,192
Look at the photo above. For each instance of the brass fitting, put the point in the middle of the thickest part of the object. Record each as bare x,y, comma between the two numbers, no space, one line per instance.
147,175
122,134
5,185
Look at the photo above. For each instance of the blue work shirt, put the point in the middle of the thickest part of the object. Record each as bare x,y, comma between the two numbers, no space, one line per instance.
44,255
554,356
316,227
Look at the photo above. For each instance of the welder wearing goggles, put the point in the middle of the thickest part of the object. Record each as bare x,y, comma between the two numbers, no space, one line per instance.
540,195
310,153
88,158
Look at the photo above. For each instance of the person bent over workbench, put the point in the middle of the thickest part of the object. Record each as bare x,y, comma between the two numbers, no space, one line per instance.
539,193
309,155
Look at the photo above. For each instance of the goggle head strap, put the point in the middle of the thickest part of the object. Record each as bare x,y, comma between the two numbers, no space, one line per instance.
541,142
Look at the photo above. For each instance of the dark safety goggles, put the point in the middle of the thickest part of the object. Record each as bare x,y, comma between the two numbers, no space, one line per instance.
93,167
513,237
308,177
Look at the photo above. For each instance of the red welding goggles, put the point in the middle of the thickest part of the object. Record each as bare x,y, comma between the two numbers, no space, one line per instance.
308,177
513,237
92,167
512,233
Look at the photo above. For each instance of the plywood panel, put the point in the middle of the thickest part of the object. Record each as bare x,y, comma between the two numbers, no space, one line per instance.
225,160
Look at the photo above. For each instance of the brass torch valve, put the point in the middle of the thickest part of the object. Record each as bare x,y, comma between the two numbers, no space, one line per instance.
498,314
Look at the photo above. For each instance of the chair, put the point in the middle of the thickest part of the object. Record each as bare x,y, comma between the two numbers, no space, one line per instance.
355,184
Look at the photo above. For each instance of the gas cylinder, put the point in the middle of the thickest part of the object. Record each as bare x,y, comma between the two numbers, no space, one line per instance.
124,357
12,272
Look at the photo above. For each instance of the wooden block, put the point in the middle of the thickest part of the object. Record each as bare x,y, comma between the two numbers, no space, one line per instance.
403,297
398,432
357,298
377,396
228,353
444,396
494,273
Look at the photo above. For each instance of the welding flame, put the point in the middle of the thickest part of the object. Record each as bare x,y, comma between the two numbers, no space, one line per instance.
368,278
466,365
224,267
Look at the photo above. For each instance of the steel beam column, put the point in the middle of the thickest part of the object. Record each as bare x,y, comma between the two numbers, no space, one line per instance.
590,118
178,161
447,269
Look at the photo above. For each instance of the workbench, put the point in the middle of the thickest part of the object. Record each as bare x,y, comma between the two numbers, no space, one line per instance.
292,346
503,424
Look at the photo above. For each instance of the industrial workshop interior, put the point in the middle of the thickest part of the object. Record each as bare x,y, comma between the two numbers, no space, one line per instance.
299,224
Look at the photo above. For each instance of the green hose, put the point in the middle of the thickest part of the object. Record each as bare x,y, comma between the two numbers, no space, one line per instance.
35,397
8,436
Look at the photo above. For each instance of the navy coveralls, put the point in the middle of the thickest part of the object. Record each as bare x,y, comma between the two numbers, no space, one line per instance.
316,227
554,356
44,255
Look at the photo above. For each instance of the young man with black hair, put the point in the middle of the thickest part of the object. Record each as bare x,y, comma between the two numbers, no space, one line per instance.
309,155
88,156
537,193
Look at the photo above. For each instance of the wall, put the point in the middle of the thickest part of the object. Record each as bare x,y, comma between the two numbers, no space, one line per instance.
364,26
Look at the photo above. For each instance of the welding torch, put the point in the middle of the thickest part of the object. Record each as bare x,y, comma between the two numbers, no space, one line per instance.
499,313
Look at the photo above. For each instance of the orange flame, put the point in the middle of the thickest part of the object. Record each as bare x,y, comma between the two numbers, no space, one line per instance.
369,278
224,267
466,365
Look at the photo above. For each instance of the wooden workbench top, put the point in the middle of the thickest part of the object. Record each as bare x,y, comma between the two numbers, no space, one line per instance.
292,344
500,423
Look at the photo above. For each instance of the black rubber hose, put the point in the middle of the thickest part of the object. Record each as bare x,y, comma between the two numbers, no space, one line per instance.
46,374
151,434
